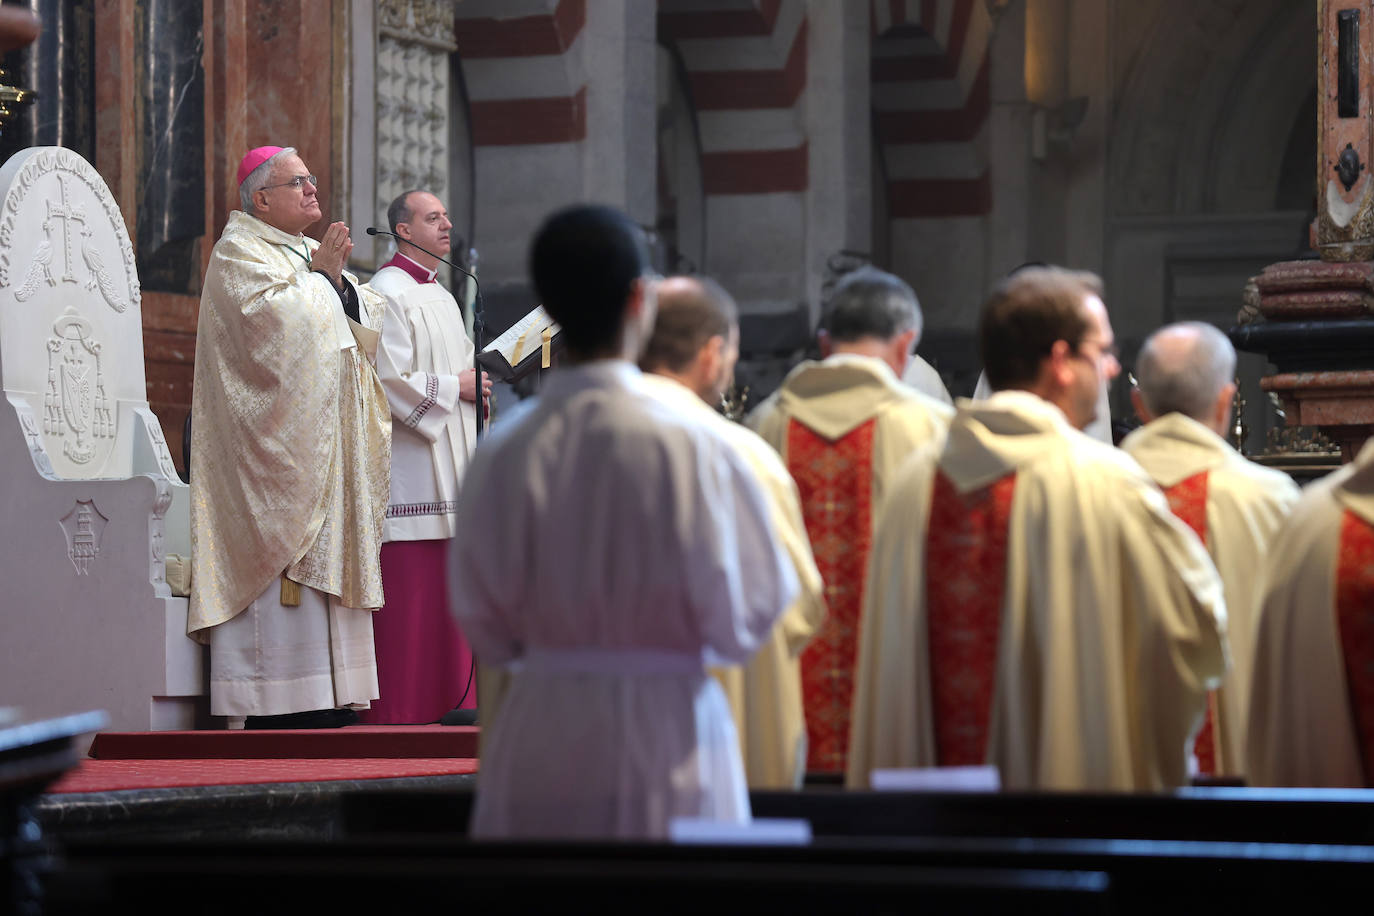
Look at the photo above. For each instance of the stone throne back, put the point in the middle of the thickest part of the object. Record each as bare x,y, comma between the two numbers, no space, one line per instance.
94,500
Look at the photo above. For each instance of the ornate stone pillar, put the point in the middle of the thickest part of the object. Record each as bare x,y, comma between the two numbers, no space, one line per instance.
1317,327
414,41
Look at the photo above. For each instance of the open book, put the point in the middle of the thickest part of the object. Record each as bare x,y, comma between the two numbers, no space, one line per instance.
528,345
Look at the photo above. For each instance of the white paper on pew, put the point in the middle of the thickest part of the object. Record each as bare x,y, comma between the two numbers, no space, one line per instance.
937,779
761,831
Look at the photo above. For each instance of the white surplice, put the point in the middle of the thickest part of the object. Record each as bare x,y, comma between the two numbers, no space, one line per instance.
1112,622
424,348
766,694
1301,728
611,547
922,376
1246,505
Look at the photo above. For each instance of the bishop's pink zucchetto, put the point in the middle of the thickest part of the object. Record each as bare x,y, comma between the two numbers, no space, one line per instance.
255,158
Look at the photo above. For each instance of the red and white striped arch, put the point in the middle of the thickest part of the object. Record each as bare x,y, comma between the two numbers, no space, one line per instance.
930,106
524,85
745,63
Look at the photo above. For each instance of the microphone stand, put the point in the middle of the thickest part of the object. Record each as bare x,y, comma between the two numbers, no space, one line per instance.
457,716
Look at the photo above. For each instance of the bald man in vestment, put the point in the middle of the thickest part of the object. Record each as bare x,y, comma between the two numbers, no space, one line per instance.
289,461
1311,720
843,425
1184,374
689,362
1032,602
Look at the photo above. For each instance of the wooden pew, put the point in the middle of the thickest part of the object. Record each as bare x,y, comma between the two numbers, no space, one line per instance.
873,852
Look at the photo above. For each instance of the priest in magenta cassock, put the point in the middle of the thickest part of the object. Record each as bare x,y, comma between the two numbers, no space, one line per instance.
1235,506
289,461
1033,604
425,364
689,362
1311,719
611,548
843,425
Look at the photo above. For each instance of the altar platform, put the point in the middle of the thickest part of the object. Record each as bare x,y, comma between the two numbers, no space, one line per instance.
246,785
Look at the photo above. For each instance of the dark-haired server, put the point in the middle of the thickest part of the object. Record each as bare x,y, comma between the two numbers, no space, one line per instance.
610,547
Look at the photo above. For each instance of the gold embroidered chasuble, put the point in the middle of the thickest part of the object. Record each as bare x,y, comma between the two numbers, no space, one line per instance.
291,450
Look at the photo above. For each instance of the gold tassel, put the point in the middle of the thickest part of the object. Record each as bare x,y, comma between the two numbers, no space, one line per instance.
548,347
290,592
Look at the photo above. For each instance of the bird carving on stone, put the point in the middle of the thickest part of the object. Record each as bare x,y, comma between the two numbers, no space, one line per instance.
38,268
101,277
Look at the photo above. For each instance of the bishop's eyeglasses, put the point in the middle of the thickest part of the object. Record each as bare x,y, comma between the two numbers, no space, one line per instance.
298,182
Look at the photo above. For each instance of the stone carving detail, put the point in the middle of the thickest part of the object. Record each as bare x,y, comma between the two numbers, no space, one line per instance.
84,527
427,22
35,438
64,216
164,456
156,530
75,407
412,117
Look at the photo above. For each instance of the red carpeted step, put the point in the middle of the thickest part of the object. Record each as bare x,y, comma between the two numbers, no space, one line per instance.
117,775
354,741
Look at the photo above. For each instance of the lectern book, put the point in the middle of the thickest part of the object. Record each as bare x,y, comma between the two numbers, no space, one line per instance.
528,345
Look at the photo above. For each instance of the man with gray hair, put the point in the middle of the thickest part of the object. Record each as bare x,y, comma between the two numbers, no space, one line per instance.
289,461
842,425
1184,391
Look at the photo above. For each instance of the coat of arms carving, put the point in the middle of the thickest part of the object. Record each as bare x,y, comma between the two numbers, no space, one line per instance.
83,526
75,406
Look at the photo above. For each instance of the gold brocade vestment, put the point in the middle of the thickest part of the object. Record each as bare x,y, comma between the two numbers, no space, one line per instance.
291,450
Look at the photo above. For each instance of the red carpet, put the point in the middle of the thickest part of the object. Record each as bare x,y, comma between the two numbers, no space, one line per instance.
156,760
114,775
353,741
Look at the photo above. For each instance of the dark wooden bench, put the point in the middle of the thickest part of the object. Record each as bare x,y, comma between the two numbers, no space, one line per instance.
872,852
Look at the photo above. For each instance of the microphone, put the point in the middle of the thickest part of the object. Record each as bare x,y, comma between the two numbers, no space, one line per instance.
373,230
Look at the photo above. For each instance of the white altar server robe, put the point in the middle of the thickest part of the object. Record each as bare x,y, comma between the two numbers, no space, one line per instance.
1246,505
765,695
1112,618
611,547
1302,725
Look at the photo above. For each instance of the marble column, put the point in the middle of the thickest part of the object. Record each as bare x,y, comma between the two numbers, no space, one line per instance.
59,66
171,207
1317,329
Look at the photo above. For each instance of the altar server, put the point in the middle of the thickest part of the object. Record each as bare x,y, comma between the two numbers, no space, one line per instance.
611,547
690,362
425,364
